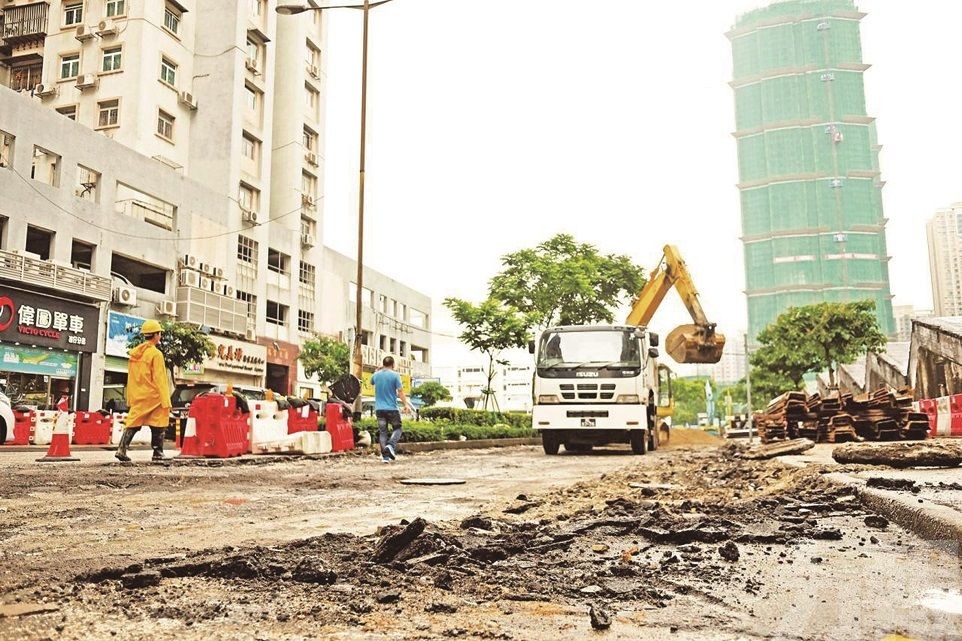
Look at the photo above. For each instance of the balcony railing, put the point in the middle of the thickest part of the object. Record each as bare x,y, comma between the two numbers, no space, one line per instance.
25,22
26,269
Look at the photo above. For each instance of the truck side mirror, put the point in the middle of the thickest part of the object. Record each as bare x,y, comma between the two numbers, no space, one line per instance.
653,352
653,339
531,347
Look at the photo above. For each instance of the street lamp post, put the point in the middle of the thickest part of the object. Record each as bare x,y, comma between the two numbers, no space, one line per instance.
295,8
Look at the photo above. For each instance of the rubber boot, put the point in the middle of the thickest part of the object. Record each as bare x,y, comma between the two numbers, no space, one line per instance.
157,442
125,439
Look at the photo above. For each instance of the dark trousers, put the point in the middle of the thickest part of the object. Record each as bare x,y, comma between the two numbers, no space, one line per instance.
384,419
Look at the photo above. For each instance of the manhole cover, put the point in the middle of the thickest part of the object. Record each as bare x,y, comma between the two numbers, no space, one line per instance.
430,481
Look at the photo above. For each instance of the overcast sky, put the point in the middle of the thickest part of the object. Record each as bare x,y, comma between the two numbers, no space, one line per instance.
495,124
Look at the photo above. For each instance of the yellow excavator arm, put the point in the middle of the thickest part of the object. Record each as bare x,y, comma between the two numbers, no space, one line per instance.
692,343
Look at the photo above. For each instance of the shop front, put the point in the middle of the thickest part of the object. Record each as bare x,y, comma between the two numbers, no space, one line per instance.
281,372
235,362
46,345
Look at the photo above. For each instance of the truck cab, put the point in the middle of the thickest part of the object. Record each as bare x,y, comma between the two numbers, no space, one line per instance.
595,385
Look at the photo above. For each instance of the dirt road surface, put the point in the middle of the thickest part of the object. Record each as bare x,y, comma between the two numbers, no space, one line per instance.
680,544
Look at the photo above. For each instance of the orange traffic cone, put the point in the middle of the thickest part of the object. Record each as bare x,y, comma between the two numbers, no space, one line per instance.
190,444
59,449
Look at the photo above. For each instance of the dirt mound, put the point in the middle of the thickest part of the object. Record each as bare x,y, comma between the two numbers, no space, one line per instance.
687,437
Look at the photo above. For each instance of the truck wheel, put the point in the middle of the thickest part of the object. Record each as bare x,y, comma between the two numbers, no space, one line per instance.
639,441
653,441
550,442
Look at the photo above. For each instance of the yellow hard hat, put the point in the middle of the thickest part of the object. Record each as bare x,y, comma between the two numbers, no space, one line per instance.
151,327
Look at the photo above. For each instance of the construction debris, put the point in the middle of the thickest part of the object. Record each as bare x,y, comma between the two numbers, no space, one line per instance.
883,415
901,455
779,448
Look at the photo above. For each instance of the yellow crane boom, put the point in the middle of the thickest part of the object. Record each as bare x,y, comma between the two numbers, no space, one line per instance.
692,343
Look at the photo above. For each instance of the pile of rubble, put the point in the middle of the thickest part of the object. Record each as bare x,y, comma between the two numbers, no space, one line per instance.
883,415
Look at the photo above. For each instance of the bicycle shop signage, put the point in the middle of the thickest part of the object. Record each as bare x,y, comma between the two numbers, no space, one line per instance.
43,321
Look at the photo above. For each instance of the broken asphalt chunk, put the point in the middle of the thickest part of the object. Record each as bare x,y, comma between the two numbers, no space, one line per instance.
600,617
395,540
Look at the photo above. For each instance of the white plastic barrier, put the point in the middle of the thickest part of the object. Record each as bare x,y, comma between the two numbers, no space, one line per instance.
297,443
117,430
268,424
44,425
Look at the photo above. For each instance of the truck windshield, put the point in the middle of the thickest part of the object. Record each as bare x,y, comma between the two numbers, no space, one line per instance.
589,349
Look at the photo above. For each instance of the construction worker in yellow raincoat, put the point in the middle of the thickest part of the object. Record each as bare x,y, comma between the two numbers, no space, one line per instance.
148,393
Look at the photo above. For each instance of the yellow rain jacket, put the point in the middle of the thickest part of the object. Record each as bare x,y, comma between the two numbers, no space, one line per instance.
148,392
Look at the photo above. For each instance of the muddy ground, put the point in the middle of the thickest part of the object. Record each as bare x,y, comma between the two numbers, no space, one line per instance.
680,544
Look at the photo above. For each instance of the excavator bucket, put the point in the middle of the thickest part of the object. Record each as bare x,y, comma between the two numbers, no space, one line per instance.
695,344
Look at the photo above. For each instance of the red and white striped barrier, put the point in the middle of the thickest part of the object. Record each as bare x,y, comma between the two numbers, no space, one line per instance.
945,415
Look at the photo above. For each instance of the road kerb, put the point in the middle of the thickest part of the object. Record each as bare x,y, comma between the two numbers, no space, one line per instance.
483,443
927,520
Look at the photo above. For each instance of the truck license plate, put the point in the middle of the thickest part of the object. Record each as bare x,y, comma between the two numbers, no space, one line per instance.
587,422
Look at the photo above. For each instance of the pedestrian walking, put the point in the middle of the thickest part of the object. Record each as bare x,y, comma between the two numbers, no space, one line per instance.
148,393
387,390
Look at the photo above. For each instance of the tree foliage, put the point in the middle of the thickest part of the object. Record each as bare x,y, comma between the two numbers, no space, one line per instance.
431,393
490,328
181,344
327,357
814,338
562,281
690,399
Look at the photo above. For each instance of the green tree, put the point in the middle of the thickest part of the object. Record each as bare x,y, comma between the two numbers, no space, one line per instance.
562,281
182,344
490,328
690,399
327,357
776,371
814,338
431,393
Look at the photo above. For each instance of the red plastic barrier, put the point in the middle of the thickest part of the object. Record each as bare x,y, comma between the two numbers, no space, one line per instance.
301,419
23,423
955,406
340,426
930,407
91,428
222,430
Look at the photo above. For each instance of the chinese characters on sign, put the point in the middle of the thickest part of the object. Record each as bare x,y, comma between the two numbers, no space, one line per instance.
46,321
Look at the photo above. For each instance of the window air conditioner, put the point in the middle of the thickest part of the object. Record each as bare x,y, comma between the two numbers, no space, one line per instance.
190,279
189,261
186,98
249,216
47,89
106,28
83,33
311,158
307,240
87,80
167,308
125,295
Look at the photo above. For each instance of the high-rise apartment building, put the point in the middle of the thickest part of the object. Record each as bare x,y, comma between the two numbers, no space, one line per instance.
812,222
225,94
944,233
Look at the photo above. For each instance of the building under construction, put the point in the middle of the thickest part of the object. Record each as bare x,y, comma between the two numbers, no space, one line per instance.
812,222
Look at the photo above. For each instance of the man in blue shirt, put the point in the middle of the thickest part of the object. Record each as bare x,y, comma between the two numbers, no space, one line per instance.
387,389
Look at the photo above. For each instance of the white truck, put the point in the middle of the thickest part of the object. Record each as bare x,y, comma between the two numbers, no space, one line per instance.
595,385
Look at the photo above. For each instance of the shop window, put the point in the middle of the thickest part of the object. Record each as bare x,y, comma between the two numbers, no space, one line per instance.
82,255
277,313
139,274
46,167
88,184
39,242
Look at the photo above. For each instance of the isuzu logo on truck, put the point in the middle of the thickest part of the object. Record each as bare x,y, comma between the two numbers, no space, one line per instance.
587,374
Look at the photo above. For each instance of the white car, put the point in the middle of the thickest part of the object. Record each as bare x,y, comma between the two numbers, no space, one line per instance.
6,418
